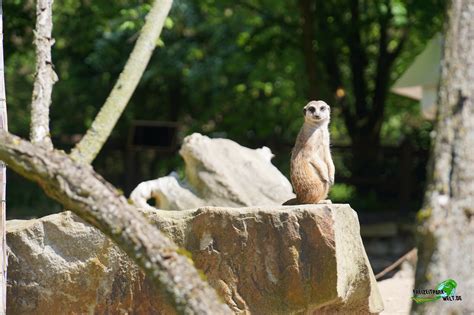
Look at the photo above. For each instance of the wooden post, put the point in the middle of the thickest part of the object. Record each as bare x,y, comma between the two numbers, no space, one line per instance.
3,179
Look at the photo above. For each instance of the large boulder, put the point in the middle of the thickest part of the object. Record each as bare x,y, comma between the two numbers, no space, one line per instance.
219,172
268,260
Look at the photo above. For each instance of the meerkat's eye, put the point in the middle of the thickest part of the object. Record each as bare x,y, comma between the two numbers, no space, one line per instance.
322,108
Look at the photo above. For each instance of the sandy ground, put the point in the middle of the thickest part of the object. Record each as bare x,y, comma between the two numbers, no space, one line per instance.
397,292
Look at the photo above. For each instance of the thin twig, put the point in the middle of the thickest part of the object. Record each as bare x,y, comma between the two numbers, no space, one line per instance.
45,76
3,179
395,264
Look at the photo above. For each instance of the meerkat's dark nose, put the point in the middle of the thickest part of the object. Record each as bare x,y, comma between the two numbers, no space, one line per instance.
312,109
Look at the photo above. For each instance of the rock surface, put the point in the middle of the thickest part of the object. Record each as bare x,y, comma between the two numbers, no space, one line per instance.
219,172
280,260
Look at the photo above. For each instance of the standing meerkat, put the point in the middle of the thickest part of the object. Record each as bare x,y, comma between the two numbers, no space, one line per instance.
312,168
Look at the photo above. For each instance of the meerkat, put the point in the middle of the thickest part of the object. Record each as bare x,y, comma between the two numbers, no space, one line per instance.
312,168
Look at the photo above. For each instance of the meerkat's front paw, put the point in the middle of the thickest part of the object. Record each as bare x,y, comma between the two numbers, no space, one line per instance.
329,180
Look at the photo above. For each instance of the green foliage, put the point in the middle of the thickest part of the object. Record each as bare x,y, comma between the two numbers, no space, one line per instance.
341,193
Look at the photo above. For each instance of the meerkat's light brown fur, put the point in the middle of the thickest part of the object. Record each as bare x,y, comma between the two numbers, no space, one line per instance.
312,168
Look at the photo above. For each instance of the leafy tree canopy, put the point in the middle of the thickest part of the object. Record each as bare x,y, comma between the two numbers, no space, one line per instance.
240,69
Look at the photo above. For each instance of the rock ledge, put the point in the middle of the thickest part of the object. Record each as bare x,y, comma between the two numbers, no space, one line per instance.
266,260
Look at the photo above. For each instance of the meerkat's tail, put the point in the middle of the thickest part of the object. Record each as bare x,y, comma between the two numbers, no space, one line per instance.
291,202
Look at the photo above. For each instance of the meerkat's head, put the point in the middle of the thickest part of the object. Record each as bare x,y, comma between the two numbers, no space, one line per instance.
316,112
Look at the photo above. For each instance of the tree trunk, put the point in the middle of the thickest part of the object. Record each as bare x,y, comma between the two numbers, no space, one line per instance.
365,161
3,179
78,188
446,231
308,50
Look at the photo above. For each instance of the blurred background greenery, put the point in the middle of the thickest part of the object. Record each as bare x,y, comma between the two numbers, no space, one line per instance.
241,70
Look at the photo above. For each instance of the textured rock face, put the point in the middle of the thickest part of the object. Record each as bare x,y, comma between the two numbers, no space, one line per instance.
218,172
285,260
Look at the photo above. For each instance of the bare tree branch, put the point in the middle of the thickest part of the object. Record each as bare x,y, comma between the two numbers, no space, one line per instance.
88,148
381,76
358,61
45,76
78,188
3,180
276,19
307,26
336,85
398,49
331,56
384,64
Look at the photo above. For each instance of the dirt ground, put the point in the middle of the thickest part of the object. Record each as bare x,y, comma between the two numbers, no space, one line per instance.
397,292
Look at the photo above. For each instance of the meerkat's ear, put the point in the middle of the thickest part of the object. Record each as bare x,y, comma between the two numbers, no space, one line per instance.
304,111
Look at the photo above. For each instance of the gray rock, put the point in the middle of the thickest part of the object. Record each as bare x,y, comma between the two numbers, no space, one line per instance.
269,260
219,172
